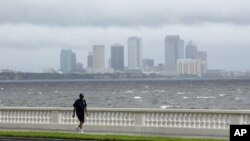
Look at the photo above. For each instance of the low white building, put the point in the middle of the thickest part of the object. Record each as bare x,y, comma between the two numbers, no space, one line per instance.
194,67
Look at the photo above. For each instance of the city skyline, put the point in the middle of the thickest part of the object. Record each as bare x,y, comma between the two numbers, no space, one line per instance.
179,59
32,32
180,51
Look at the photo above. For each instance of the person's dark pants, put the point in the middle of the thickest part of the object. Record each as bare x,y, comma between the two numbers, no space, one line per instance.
80,117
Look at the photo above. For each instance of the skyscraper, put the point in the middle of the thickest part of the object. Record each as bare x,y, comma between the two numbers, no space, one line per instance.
90,60
73,61
191,50
201,56
98,58
174,49
134,52
67,61
117,57
180,50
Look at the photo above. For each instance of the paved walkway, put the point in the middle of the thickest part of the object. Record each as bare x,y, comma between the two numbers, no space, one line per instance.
35,139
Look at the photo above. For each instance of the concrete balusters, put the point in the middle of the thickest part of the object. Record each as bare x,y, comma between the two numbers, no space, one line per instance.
178,122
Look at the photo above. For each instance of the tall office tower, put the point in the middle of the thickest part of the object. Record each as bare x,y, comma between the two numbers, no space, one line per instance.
73,61
201,56
180,52
134,52
174,49
90,60
98,58
117,57
191,50
67,61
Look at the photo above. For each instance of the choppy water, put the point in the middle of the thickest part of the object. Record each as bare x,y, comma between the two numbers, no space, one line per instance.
212,94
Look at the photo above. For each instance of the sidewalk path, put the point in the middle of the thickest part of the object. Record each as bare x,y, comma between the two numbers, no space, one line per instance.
35,139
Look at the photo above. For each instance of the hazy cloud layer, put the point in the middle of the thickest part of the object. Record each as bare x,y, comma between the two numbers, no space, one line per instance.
37,29
124,12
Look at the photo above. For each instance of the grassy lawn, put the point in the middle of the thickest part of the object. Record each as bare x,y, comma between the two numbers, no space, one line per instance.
58,135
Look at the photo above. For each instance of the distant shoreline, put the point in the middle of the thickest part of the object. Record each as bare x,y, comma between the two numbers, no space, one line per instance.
33,77
126,79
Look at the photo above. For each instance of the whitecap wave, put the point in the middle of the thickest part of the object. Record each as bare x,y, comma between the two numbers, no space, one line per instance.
221,95
128,92
2,88
159,91
205,97
166,106
240,98
180,93
239,90
137,97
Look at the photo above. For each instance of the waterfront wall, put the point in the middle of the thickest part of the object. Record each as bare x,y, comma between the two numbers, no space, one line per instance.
168,122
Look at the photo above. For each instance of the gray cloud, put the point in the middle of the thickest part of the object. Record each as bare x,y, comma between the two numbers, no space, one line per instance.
124,13
37,29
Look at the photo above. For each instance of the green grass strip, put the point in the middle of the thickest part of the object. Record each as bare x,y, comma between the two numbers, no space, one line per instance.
59,135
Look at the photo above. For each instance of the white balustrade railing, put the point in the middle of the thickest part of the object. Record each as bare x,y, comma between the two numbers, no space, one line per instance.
139,121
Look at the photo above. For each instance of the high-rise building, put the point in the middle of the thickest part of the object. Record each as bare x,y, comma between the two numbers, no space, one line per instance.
98,58
73,61
202,57
134,52
90,60
180,49
67,61
191,50
117,57
174,49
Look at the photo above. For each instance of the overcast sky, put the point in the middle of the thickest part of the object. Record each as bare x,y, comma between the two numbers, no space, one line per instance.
32,32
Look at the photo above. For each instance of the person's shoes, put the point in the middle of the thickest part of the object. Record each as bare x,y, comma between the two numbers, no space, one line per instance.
82,132
77,129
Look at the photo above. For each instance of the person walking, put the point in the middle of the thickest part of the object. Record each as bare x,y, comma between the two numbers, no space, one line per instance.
80,108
